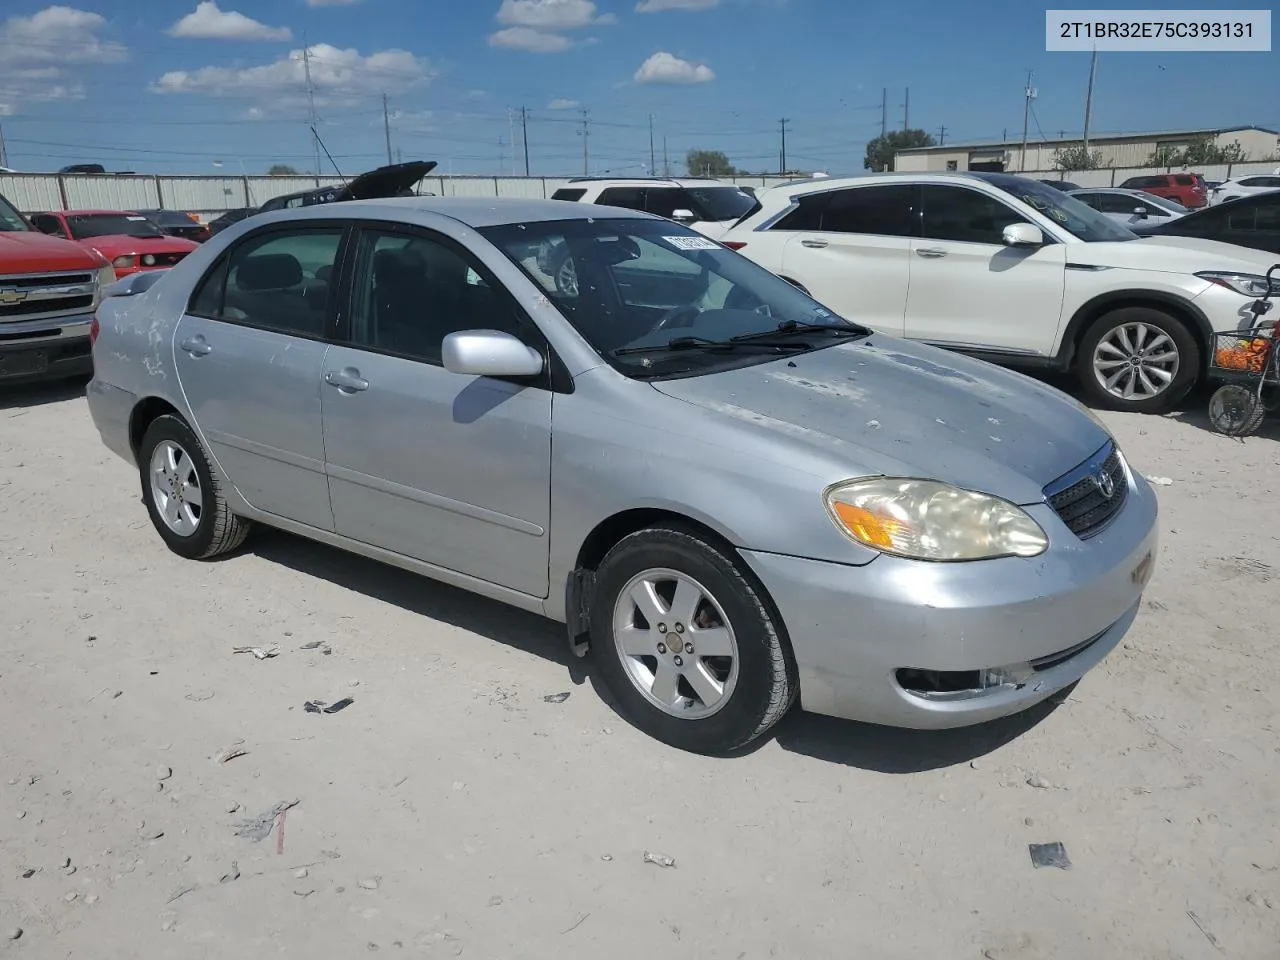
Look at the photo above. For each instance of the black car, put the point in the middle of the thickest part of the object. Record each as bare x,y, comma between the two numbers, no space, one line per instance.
1247,222
1063,185
221,223
396,180
176,223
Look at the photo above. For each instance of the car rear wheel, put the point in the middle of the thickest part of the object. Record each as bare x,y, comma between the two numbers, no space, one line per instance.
1138,359
183,496
687,644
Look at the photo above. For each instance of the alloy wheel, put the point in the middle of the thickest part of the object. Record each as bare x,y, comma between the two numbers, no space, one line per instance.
1136,361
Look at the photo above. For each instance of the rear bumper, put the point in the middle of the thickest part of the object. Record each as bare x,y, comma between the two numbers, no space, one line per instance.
49,349
864,636
111,408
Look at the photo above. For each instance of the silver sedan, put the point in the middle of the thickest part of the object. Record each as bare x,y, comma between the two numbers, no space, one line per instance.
732,497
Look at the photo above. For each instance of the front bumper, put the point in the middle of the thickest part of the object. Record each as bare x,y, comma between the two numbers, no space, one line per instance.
46,349
852,629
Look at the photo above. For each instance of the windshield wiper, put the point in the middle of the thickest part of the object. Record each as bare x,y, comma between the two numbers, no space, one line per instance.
791,328
705,343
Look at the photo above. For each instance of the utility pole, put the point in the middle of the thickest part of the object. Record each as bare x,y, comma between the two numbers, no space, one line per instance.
884,111
653,170
311,99
666,164
782,157
524,135
502,155
386,125
586,134
4,156
1028,94
511,129
906,110
1088,100
942,135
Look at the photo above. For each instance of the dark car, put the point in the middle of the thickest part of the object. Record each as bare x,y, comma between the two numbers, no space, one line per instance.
396,180
1063,185
1252,222
218,224
176,223
84,168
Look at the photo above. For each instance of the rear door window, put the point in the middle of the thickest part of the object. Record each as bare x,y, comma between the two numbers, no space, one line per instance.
631,198
665,201
1183,180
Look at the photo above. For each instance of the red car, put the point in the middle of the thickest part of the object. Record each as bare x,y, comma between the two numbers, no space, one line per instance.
1187,189
129,240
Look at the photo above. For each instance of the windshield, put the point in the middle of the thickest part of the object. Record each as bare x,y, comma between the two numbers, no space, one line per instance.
11,220
1066,211
722,203
87,225
632,287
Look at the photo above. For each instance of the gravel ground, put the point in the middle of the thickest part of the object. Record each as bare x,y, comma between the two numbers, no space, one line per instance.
451,810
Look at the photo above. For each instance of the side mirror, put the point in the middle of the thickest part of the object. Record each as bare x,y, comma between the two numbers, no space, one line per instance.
489,353
683,216
1022,235
1141,212
134,284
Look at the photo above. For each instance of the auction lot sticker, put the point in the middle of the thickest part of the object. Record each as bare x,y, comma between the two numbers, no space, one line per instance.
1154,31
692,243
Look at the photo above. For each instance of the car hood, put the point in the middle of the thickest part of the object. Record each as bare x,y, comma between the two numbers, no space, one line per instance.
112,245
1168,254
386,182
33,252
892,407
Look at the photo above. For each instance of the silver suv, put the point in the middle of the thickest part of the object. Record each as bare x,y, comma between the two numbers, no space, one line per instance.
709,206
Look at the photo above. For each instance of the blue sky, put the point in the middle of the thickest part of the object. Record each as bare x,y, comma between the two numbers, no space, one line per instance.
119,82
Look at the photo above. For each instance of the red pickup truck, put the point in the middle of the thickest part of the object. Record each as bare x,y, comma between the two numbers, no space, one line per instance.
49,290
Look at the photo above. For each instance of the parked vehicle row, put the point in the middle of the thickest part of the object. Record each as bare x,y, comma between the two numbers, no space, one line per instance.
733,497
129,241
1238,187
1252,222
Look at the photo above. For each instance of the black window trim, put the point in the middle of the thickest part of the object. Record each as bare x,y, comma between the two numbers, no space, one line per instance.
221,263
555,375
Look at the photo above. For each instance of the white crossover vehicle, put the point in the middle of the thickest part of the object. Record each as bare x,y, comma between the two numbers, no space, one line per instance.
1238,187
708,206
1010,270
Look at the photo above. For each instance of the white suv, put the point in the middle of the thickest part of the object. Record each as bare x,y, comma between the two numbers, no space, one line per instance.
709,206
1010,270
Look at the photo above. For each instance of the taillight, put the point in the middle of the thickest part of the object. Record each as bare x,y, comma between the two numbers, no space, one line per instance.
734,244
93,331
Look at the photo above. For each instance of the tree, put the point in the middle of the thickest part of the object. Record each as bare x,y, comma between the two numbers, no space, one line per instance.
281,170
1076,158
709,163
881,150
1165,156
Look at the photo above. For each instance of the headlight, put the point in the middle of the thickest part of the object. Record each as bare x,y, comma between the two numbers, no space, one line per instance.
1245,284
105,277
930,520
124,262
149,260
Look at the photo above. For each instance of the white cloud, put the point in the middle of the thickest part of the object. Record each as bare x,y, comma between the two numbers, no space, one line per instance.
339,78
209,22
657,6
551,14
535,41
37,49
665,67
560,103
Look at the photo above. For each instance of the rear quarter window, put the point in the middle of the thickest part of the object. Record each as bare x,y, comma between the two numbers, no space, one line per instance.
569,193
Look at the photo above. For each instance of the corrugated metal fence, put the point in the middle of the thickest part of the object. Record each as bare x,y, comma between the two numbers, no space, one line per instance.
211,196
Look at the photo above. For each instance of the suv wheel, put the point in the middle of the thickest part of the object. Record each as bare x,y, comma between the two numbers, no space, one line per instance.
687,644
1138,359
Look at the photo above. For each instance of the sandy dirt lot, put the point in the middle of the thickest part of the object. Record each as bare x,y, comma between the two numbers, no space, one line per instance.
452,811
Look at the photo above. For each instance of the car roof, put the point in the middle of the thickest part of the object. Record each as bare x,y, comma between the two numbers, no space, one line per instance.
798,188
97,213
472,211
651,181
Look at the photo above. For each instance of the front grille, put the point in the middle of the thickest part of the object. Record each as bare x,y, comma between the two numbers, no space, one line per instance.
1079,497
45,280
31,308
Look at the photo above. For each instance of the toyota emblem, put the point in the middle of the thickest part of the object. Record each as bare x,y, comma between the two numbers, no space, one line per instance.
1106,486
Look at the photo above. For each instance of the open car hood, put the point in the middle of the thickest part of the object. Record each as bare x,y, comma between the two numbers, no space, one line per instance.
386,181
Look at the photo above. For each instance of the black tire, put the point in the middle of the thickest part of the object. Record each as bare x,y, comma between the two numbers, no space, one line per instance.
767,683
218,530
1187,375
1235,410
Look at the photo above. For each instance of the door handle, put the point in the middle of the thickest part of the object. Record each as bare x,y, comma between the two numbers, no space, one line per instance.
813,244
348,380
932,253
196,346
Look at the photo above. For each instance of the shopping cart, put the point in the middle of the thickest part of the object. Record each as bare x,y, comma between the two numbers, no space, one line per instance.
1247,363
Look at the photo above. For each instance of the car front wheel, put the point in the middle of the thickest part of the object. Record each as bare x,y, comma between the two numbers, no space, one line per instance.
687,644
182,494
1138,359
